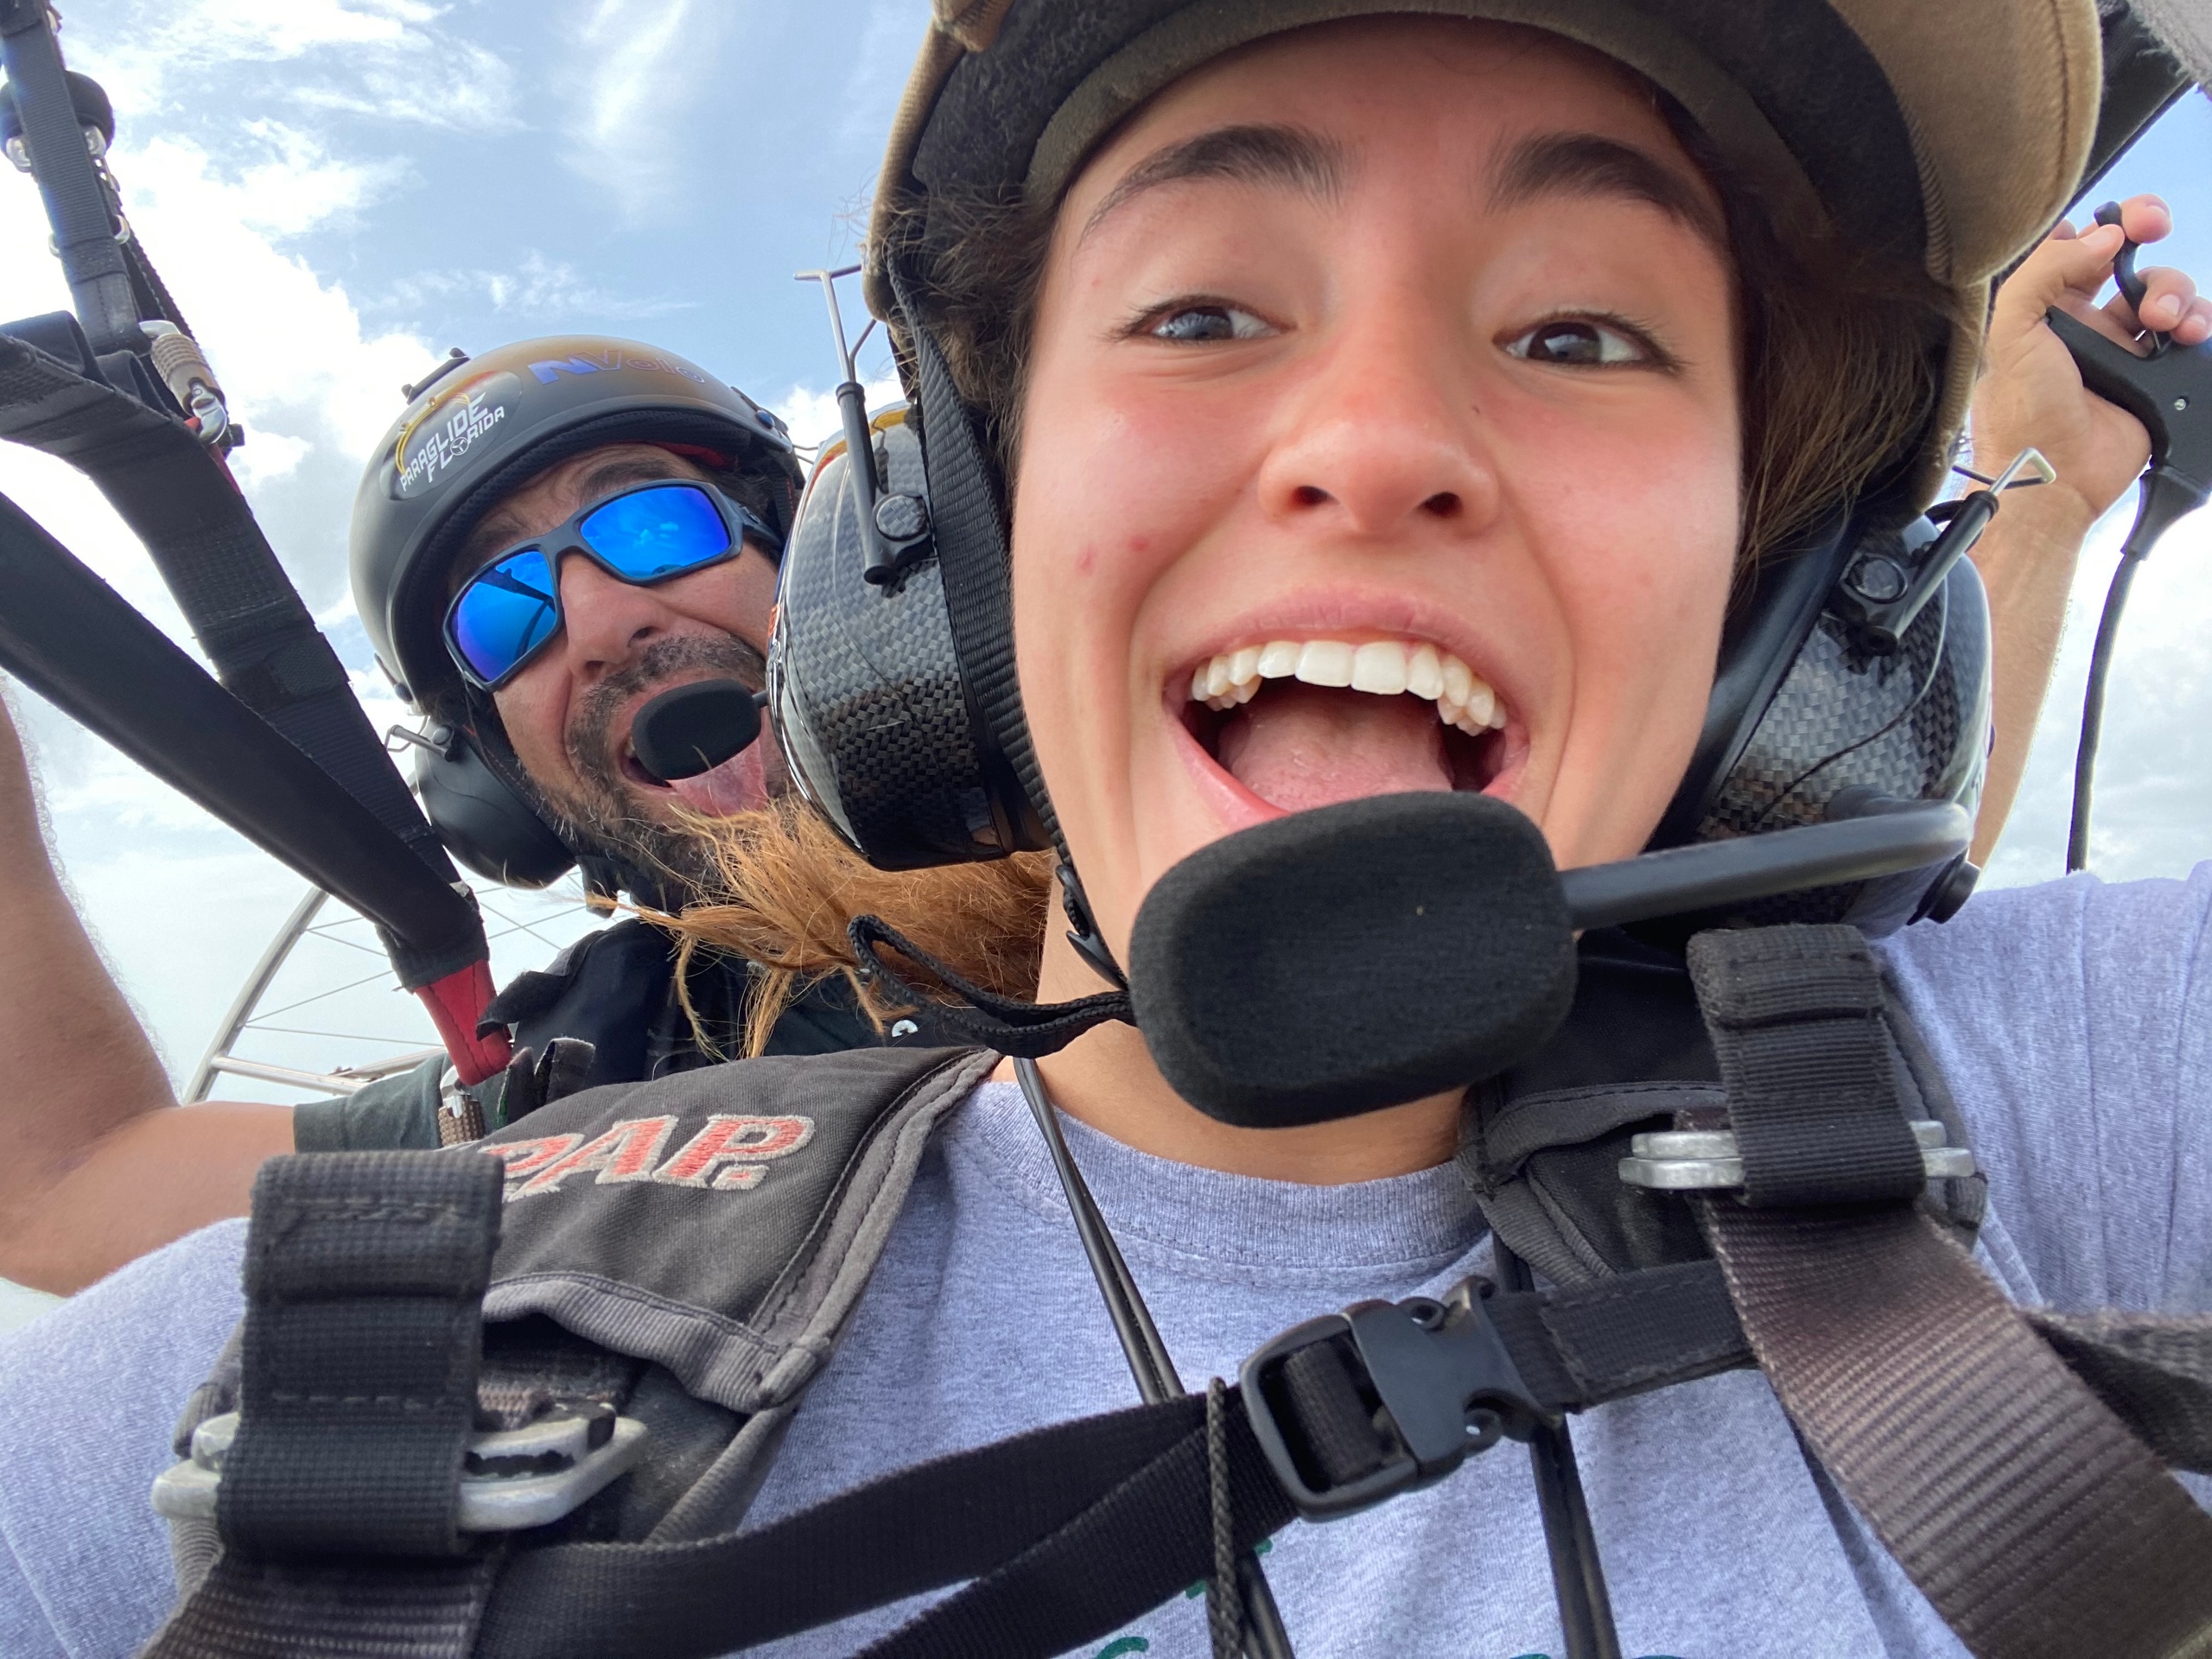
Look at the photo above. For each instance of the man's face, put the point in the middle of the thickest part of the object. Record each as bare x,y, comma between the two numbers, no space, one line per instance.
568,713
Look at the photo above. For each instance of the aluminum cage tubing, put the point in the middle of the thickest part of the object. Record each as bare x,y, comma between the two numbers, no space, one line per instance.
250,994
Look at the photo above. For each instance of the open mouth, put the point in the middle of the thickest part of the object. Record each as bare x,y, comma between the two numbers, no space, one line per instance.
739,785
1306,722
633,773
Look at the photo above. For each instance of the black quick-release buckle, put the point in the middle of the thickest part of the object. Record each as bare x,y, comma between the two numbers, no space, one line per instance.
1382,1398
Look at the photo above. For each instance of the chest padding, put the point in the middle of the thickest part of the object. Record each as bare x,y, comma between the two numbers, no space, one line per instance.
720,1223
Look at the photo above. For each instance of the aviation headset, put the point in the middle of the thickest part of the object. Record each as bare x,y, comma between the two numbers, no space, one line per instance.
475,431
895,704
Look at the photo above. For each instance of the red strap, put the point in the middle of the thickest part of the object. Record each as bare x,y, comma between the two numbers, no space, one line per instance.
456,1003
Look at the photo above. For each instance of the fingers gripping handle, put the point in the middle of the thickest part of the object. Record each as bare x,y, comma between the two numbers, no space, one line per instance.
2169,391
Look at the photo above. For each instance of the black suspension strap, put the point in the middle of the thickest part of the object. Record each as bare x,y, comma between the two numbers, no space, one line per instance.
78,642
84,235
266,650
2035,1524
122,394
340,1493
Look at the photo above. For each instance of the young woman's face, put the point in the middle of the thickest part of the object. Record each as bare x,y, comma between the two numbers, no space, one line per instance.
1382,434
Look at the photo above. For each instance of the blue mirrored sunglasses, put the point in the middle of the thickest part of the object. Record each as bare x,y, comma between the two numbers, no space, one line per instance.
510,609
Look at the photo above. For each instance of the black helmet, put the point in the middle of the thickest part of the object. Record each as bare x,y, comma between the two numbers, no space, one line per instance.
479,427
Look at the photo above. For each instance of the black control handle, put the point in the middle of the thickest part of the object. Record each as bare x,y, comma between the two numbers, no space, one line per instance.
2170,390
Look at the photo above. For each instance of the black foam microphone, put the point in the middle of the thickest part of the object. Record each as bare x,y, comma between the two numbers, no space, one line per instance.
1362,954
695,727
1352,957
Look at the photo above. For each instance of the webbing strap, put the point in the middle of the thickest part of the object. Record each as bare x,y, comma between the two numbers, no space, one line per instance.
417,1610
1156,1526
1109,1512
1581,1345
1795,1016
2155,1370
2037,1525
241,607
365,1276
971,550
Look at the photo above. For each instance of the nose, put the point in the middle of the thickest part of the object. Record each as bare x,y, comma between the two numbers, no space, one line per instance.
608,620
1384,436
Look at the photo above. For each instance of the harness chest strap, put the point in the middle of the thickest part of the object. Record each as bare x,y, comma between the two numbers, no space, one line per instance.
1129,1487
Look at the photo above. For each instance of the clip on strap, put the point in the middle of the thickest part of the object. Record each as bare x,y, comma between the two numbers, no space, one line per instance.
1384,1397
1795,1017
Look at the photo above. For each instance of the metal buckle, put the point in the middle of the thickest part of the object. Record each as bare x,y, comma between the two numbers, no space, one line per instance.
1700,1161
1439,1379
510,1480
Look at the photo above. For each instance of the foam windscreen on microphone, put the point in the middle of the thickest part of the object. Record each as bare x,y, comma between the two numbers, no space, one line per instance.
1351,957
695,727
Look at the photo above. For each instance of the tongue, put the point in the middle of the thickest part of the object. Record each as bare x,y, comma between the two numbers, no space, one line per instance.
736,785
1297,747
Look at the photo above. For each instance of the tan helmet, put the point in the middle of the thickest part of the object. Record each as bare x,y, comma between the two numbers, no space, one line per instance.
1951,131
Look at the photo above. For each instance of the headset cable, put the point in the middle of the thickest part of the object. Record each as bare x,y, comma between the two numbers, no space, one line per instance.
1157,1382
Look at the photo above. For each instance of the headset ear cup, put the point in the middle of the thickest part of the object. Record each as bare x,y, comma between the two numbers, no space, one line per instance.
483,822
1838,726
965,504
865,690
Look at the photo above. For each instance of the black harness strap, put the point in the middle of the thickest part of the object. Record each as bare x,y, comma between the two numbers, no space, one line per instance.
2033,1521
275,1610
241,607
1110,1512
365,1277
1795,1017
1580,1346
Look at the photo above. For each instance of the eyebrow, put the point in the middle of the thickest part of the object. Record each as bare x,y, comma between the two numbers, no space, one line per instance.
1279,156
1584,164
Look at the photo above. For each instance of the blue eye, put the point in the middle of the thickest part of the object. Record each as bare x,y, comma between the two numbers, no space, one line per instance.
1580,343
1199,323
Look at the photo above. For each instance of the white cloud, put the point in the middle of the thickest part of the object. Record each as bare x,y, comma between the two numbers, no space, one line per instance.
813,416
387,58
639,65
539,290
2153,796
288,346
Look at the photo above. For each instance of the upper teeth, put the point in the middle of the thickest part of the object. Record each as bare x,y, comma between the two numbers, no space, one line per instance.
1384,667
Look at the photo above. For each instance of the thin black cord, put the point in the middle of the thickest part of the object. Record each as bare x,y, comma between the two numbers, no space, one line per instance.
2163,496
1157,1382
1140,1338
2093,709
1225,1615
1585,1608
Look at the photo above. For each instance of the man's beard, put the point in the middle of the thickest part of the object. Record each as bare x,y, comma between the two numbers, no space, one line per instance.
602,820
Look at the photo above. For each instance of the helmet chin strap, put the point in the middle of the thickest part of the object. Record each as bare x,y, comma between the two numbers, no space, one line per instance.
1082,927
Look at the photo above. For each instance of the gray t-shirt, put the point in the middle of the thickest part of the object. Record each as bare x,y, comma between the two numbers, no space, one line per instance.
2070,1019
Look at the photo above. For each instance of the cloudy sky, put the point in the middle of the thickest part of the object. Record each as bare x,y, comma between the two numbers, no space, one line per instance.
337,190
